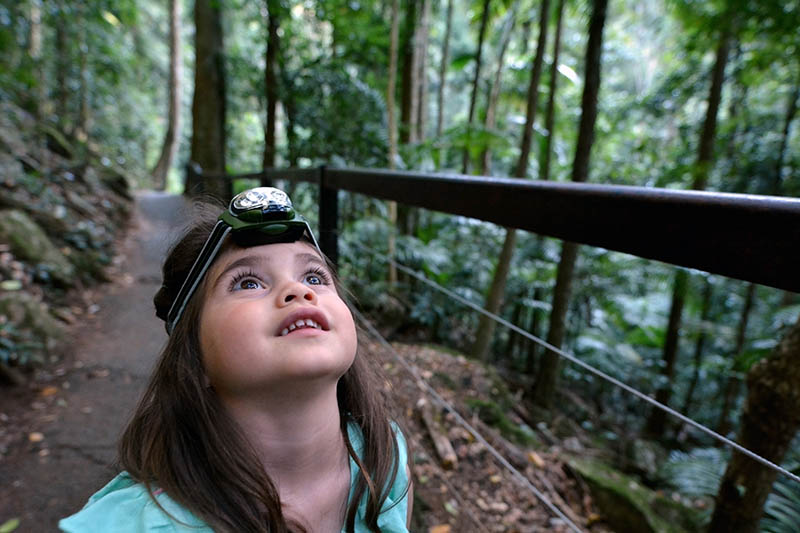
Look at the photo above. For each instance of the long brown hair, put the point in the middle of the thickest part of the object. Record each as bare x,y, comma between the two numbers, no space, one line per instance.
182,440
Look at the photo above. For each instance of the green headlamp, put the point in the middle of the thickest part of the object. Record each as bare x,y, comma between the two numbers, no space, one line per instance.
263,215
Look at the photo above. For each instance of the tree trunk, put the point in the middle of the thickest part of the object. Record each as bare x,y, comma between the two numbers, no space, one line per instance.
62,67
699,346
550,116
532,347
476,79
408,106
208,103
271,82
533,89
172,134
769,422
544,387
791,111
422,70
656,423
705,153
82,123
35,53
390,90
547,378
486,325
483,337
443,79
732,383
494,92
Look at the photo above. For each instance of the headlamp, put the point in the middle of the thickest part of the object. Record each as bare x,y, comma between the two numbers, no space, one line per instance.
263,215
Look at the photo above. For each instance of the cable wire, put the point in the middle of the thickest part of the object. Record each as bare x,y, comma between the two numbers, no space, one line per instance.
411,369
589,368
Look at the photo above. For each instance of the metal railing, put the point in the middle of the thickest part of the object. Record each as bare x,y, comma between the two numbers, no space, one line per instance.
748,237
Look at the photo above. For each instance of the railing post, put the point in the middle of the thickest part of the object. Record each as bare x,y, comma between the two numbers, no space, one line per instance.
328,218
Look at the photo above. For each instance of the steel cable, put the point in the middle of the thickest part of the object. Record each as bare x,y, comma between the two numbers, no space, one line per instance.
411,369
599,373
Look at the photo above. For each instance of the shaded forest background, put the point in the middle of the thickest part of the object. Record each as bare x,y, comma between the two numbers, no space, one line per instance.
677,94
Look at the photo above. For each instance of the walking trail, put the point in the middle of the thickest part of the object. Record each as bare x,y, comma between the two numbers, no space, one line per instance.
69,424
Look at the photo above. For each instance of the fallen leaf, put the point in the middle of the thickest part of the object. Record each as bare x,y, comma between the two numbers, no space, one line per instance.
441,528
35,437
49,391
536,459
9,525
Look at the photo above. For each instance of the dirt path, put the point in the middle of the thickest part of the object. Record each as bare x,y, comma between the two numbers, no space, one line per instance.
68,425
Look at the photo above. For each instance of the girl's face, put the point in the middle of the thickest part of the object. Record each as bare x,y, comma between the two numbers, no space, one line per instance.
272,320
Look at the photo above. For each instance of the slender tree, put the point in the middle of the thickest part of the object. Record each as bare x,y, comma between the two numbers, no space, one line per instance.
769,422
409,92
390,90
208,103
476,78
486,326
656,422
422,70
791,111
271,81
170,145
494,89
544,389
443,78
550,114
731,389
62,65
700,343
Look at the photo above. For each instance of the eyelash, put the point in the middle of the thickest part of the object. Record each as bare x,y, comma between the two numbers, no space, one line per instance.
322,274
324,277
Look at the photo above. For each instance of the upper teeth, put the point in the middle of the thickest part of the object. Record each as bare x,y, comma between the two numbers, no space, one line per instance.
302,323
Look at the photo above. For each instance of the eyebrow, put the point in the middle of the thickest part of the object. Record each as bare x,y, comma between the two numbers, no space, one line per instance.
254,260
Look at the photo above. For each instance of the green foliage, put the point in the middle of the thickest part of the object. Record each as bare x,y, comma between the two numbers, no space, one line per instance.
782,510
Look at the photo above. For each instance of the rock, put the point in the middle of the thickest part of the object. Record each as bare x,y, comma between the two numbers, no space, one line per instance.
29,243
630,507
10,169
644,458
28,314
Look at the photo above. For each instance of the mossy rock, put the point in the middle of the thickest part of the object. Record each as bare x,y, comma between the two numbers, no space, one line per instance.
11,169
630,507
34,330
29,243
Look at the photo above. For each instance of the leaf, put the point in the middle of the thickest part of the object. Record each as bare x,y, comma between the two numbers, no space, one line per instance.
461,61
9,525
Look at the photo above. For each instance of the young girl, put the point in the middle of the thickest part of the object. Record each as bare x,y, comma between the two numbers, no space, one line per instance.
260,415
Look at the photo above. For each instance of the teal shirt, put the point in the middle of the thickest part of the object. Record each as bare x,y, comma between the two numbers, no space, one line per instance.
124,506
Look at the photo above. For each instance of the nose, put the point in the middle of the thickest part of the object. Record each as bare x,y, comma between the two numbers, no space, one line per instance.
296,292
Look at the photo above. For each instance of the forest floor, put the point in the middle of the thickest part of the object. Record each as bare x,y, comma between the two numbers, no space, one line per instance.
58,435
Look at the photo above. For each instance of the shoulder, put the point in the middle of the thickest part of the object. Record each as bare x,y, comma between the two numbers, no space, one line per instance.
125,506
394,511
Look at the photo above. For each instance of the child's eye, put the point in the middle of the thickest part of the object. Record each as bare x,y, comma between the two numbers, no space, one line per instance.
317,277
245,281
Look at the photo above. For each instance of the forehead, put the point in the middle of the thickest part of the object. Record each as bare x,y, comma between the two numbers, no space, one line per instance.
299,251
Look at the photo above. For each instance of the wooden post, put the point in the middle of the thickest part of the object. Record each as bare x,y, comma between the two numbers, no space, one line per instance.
328,218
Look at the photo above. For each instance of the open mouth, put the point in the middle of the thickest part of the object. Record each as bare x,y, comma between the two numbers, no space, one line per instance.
303,318
300,324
